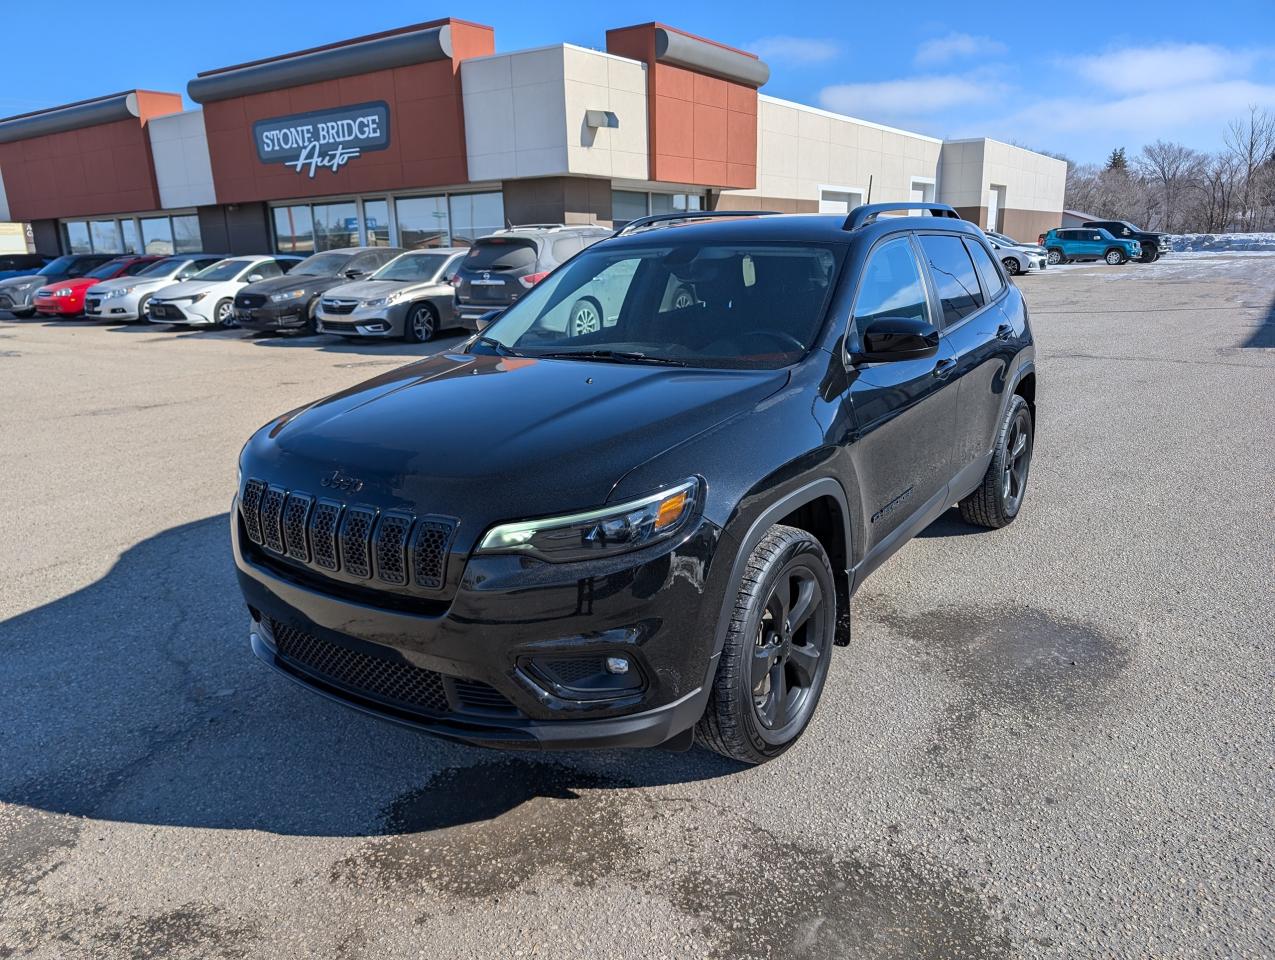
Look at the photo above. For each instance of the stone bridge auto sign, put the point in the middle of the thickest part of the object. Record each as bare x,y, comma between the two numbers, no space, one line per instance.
324,139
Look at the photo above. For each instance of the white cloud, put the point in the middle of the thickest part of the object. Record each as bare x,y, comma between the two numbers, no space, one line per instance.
1133,69
914,96
794,50
957,46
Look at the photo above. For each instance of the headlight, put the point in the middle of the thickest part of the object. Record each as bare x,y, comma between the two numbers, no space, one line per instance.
598,533
63,292
197,297
286,295
386,301
117,292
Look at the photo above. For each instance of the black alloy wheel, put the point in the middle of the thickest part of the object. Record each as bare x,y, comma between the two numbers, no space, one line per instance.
999,498
778,646
1011,266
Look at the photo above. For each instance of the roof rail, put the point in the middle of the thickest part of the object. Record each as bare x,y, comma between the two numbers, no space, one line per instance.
861,216
534,226
656,219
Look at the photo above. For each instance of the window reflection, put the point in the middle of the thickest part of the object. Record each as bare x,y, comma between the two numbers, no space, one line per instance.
422,222
376,222
336,225
293,230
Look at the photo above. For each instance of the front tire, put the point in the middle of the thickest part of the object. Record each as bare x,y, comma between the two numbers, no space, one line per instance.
999,497
23,314
420,324
222,314
142,306
1054,256
1011,266
1115,257
1149,256
778,647
585,317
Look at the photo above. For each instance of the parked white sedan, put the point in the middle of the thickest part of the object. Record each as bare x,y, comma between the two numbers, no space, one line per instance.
207,298
1017,258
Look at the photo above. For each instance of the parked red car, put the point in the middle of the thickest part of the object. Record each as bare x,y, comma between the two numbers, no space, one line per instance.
66,297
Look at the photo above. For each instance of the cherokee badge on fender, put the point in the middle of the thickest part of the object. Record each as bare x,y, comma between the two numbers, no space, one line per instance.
645,529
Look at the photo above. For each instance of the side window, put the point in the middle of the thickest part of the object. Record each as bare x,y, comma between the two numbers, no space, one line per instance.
267,269
992,281
364,262
953,274
564,248
134,269
891,285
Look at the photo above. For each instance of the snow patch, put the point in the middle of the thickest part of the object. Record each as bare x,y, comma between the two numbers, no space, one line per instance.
1222,242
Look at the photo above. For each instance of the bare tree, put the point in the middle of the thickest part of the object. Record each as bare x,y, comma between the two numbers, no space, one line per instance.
1172,171
1250,142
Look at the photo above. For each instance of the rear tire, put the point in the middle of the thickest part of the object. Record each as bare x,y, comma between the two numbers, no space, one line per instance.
999,498
421,324
1054,256
778,646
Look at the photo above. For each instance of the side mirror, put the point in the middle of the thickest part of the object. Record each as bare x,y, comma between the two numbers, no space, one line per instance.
255,278
352,274
487,319
888,339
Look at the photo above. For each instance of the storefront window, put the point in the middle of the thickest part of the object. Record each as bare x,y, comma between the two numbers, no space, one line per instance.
131,243
422,222
157,235
476,215
186,237
336,225
627,205
77,237
376,222
105,236
293,230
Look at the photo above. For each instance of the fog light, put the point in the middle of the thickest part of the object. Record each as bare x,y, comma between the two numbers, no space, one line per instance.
617,665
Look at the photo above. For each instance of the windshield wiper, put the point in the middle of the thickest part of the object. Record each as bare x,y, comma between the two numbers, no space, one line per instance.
611,356
499,347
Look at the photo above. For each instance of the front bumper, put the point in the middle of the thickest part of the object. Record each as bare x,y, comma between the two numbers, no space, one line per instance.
15,301
289,315
175,311
365,321
112,308
57,307
658,608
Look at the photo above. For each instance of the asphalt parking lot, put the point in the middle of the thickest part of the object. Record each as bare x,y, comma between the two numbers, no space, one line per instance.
1053,740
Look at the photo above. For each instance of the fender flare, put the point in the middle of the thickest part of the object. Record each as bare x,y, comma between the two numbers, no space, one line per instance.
807,493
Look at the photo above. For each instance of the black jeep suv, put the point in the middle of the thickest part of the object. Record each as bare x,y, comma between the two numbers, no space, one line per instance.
649,531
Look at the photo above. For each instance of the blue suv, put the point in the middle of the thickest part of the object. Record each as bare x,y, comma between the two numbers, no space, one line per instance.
1088,243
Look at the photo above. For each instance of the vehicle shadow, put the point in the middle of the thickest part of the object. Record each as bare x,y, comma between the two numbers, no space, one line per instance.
1263,335
136,699
950,524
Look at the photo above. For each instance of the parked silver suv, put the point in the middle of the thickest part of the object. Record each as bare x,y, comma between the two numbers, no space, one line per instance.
502,267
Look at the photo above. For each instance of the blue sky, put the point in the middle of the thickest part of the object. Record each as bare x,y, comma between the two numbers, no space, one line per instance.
1078,79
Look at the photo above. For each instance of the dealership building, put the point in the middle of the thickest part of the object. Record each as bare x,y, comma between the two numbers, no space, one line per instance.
425,136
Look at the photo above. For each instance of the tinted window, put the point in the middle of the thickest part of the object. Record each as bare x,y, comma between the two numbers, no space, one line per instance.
992,281
107,270
57,268
222,270
953,274
134,269
891,285
501,253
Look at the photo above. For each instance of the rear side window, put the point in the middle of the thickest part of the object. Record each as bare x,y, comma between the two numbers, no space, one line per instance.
891,285
992,281
564,248
501,253
953,274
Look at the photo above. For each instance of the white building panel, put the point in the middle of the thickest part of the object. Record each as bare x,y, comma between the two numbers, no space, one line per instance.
183,170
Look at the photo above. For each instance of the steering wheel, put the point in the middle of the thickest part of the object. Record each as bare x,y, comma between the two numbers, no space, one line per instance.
789,343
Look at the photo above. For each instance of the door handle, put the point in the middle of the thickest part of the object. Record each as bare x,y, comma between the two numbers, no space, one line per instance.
1004,332
944,367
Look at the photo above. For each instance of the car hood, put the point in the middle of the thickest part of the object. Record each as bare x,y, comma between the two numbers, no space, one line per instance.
187,288
76,283
292,281
132,283
370,289
485,438
30,280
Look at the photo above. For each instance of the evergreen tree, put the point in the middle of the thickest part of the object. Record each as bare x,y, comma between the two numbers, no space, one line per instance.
1117,161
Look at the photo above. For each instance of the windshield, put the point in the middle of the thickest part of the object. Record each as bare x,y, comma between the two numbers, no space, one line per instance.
411,266
162,268
748,305
55,269
323,264
106,270
222,270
